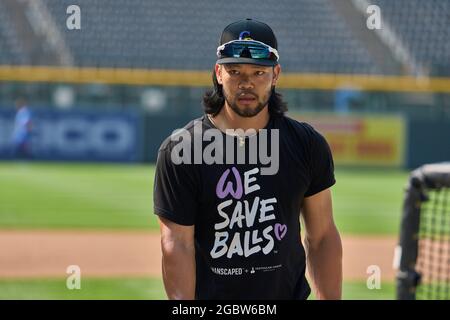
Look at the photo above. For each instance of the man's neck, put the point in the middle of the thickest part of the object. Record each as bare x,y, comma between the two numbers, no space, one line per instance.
228,119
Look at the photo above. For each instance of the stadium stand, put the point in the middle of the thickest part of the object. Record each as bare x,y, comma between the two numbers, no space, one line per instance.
423,26
10,52
313,36
148,34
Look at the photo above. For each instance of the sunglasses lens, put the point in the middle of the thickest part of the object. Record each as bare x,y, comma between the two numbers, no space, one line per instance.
259,53
255,51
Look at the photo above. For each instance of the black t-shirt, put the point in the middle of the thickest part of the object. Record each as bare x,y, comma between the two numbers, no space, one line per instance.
247,229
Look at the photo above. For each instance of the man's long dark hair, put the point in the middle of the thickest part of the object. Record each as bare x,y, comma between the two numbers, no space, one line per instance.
213,100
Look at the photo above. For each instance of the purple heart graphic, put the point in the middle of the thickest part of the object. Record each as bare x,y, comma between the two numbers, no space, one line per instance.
280,231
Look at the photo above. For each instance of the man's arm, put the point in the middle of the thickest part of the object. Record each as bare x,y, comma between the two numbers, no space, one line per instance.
323,246
178,260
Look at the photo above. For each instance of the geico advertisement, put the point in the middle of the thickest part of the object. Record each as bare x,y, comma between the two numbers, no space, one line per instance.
71,135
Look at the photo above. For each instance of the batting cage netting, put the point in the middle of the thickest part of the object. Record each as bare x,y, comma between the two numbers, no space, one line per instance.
424,247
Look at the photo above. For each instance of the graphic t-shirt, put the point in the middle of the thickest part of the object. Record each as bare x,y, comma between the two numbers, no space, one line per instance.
247,224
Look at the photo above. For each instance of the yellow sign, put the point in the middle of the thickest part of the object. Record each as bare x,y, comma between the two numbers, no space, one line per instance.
361,140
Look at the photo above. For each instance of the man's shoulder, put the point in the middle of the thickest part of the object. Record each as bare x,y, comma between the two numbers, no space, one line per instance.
307,135
173,139
298,127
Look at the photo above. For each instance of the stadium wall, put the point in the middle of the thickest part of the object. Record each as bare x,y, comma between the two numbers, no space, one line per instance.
82,135
428,141
131,136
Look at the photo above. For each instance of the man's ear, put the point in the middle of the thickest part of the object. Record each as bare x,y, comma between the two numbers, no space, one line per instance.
218,70
276,74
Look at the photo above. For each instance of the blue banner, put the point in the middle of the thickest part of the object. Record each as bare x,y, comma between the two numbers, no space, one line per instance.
88,135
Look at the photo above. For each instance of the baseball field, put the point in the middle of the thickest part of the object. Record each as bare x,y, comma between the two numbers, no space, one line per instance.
100,218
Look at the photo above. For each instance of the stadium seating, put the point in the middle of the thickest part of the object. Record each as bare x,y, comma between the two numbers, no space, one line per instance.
424,28
184,34
313,37
10,51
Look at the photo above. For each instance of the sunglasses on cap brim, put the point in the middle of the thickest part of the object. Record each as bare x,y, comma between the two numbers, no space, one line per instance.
256,50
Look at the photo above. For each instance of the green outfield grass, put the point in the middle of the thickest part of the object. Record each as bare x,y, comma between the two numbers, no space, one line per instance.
369,201
141,288
359,291
91,288
54,195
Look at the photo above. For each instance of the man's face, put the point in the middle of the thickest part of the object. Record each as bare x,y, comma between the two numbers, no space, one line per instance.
247,87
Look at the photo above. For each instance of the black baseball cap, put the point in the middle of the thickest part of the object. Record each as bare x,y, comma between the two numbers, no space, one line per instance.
248,29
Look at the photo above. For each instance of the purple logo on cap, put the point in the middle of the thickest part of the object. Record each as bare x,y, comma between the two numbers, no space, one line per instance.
245,35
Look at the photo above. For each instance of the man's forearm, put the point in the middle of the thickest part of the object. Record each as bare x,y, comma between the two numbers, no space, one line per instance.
325,265
178,267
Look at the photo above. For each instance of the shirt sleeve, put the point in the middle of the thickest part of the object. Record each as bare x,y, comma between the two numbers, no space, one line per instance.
321,164
175,190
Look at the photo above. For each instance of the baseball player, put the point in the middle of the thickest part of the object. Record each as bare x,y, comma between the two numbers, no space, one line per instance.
230,226
21,137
